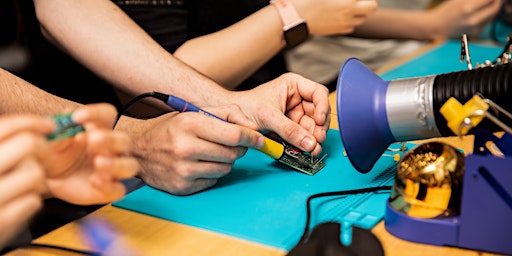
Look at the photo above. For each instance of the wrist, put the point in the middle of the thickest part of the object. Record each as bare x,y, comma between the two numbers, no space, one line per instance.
295,29
432,29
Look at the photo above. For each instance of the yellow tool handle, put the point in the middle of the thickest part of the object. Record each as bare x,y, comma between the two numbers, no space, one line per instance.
272,148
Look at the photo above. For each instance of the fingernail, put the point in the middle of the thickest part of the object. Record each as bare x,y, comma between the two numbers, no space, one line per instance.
307,143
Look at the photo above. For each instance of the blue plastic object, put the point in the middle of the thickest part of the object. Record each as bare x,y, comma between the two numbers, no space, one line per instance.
484,222
362,118
361,98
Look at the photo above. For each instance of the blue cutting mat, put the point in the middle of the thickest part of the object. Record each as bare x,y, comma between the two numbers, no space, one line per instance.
263,201
442,59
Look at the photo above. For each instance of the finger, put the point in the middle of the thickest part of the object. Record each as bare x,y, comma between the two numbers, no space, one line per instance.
296,113
228,134
320,132
222,154
15,215
318,95
108,142
116,167
26,178
98,115
308,123
317,150
109,192
192,187
210,170
309,108
200,149
365,7
293,133
10,125
12,153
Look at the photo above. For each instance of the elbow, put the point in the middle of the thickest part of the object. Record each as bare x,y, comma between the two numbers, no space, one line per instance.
43,15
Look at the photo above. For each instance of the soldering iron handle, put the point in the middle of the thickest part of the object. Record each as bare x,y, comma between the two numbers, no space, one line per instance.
182,105
271,147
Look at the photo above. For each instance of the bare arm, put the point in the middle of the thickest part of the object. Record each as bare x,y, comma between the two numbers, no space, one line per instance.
18,96
231,55
448,19
104,39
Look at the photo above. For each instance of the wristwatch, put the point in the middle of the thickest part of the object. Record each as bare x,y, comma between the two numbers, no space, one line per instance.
295,29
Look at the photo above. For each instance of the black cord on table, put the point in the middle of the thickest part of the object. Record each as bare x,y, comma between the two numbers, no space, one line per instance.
335,193
82,252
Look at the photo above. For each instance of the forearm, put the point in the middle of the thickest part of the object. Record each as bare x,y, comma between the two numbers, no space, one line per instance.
104,39
19,96
236,52
397,24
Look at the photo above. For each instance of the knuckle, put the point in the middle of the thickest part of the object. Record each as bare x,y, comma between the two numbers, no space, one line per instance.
237,138
232,107
224,169
291,130
182,151
38,174
182,188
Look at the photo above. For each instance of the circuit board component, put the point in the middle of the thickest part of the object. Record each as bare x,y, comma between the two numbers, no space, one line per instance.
301,161
65,127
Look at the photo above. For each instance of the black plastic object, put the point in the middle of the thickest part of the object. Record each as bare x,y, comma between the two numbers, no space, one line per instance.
324,240
493,83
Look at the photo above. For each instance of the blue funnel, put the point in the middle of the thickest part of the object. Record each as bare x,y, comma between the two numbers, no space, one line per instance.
362,119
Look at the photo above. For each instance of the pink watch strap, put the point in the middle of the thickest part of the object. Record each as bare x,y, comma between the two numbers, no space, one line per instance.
288,14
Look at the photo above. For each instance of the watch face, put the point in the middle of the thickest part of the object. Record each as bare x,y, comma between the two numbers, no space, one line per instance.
296,35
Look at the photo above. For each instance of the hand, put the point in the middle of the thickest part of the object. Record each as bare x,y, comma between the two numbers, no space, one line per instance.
455,17
297,109
183,153
22,146
88,167
329,17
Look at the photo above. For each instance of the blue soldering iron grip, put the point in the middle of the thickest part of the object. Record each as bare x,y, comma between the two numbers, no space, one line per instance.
181,105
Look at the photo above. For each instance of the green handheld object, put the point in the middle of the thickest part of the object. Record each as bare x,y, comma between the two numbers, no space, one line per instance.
66,127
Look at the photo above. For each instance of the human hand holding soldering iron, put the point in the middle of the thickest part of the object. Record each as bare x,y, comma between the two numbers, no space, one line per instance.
192,151
183,153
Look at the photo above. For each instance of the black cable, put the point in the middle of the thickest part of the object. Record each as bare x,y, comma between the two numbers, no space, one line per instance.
83,252
336,193
156,95
505,49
